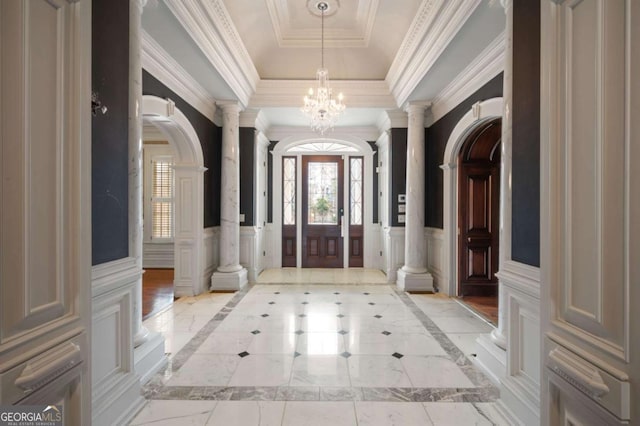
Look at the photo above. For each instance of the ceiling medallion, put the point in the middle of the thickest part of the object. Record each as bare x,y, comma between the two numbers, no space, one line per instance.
321,108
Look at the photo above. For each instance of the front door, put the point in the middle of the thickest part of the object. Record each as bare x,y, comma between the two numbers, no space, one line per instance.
322,211
479,165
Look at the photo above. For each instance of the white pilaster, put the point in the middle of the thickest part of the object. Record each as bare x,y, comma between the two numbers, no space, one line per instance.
413,276
230,274
148,347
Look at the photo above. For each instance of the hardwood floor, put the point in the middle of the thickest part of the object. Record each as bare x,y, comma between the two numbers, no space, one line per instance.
486,306
157,291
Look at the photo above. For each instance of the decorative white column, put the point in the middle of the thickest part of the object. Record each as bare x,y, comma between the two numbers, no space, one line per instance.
230,274
148,352
140,333
413,276
498,335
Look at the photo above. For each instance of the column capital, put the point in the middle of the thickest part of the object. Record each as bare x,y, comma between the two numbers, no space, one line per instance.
229,106
418,107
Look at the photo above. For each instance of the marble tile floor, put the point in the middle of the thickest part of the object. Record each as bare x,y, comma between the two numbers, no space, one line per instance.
318,354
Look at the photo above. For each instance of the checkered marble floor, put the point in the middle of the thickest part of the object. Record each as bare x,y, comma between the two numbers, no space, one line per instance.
319,354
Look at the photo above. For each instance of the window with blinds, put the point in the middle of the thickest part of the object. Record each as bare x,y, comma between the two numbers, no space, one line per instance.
162,189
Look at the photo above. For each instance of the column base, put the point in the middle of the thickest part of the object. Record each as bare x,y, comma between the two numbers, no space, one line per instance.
228,281
411,282
149,357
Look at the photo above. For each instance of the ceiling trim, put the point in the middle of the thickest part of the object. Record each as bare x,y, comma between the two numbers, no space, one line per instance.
359,36
162,66
210,26
488,64
435,25
290,93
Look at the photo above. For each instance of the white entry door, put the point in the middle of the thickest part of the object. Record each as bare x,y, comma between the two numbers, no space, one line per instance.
45,251
591,211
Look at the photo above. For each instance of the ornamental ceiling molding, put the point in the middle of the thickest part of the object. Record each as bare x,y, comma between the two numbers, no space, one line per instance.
211,28
488,64
162,66
435,25
357,36
365,133
285,93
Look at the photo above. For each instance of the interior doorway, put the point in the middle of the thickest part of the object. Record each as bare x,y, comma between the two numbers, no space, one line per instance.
479,217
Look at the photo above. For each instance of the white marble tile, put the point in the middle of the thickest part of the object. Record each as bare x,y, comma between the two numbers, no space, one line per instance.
391,414
371,324
320,323
320,343
175,341
174,413
239,324
273,343
205,370
263,370
377,371
320,370
450,414
462,325
489,410
319,413
466,342
225,343
190,322
404,343
247,413
452,309
434,372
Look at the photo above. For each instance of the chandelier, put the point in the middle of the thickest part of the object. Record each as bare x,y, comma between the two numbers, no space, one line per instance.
321,108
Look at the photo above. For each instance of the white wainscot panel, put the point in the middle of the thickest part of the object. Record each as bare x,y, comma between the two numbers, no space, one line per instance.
210,253
158,255
271,259
373,259
393,240
249,248
434,238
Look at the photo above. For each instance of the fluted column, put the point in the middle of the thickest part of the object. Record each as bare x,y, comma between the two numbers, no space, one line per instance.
140,333
230,274
413,276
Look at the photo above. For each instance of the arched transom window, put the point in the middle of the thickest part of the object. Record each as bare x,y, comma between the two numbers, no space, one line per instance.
322,147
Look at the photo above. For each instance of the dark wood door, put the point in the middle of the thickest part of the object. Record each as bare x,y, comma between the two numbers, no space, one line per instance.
478,212
322,211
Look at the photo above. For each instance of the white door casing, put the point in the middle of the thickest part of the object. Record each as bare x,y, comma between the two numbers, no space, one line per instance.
189,193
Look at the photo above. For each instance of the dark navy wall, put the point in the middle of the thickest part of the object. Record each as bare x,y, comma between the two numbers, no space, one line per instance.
436,138
210,137
374,180
398,171
247,172
110,132
525,186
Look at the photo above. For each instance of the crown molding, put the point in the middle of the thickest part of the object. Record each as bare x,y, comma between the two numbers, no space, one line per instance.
435,25
254,118
393,118
288,93
288,36
210,26
488,64
162,66
366,133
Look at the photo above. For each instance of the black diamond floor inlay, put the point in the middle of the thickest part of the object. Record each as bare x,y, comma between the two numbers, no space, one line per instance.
371,303
296,354
397,355
345,354
377,316
338,303
255,332
386,333
272,303
340,316
302,315
243,354
366,294
337,292
343,332
277,292
305,303
306,292
264,315
299,332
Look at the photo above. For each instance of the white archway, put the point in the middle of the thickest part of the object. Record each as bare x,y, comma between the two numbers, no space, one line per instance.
479,114
287,147
189,193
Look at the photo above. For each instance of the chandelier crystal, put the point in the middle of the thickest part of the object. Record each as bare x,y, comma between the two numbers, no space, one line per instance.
320,106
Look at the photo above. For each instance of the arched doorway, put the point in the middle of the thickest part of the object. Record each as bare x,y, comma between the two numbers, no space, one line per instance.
291,159
189,197
479,211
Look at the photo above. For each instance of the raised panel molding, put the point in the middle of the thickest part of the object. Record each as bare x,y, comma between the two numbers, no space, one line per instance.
434,238
393,241
210,253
